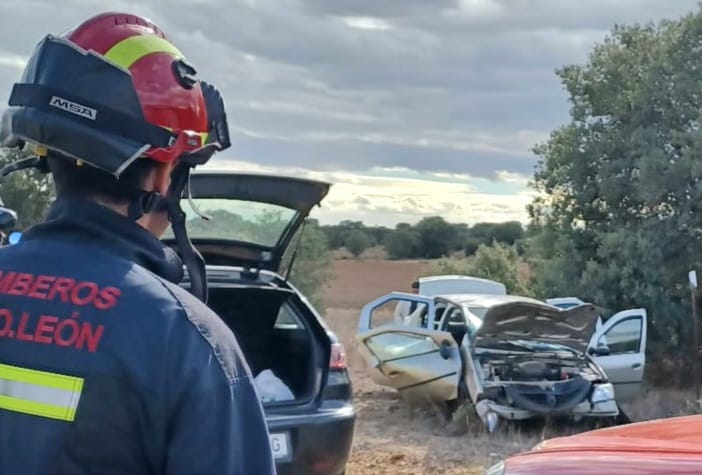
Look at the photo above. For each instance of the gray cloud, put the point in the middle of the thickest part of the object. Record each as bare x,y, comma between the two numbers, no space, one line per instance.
381,8
460,86
345,154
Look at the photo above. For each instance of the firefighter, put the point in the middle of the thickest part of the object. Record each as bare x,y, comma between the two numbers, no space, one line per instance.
106,364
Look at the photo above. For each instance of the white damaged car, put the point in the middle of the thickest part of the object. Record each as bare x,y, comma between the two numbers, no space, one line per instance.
513,357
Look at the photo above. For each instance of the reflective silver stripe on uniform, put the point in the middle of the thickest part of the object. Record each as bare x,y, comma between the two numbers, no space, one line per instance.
40,394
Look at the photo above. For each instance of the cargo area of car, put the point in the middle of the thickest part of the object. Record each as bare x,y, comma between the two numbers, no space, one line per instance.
274,336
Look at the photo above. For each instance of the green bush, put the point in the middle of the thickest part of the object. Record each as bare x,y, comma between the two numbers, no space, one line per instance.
356,242
402,243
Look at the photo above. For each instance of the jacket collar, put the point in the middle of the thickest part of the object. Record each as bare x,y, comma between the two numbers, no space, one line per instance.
88,222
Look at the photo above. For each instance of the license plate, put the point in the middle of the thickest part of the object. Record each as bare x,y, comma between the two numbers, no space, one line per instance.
280,444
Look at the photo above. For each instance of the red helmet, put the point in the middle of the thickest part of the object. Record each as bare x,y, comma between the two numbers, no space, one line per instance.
112,90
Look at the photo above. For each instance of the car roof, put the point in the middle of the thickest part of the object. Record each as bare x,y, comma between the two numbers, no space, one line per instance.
487,300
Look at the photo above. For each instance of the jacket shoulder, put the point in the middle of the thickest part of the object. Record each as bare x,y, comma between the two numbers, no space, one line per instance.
212,329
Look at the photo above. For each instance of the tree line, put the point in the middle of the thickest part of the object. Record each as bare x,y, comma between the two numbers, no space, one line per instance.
432,237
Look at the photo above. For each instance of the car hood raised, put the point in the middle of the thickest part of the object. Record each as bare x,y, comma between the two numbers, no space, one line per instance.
534,322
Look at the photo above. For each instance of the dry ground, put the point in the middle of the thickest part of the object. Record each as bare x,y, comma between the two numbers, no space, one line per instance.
392,439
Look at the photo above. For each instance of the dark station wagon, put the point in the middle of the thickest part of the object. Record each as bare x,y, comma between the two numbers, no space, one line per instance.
249,245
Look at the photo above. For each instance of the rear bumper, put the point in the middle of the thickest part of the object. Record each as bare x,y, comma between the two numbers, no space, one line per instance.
319,442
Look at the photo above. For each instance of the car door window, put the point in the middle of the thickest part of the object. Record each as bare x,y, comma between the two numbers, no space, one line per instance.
624,337
398,311
453,316
438,314
457,324
395,345
442,323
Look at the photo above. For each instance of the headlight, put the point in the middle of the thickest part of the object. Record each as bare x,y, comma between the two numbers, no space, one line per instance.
497,469
602,393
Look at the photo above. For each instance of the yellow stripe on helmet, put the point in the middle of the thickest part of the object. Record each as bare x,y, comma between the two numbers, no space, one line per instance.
132,49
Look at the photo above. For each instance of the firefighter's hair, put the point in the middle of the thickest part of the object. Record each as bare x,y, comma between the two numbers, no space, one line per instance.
78,180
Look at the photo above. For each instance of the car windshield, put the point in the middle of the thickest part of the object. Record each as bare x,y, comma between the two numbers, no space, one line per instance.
478,311
238,220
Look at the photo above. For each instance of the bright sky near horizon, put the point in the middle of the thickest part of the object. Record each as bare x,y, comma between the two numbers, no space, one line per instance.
411,108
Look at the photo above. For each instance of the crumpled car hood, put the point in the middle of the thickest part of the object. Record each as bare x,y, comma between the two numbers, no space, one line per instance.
530,321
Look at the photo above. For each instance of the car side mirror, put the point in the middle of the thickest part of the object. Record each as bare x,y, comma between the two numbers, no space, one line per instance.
8,219
599,351
445,349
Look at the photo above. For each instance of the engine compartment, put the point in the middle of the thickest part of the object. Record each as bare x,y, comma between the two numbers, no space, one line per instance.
537,382
534,369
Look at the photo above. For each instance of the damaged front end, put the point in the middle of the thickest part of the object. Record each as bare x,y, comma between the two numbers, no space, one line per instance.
530,360
519,387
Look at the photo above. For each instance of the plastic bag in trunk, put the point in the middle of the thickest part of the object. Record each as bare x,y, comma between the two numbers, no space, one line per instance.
271,388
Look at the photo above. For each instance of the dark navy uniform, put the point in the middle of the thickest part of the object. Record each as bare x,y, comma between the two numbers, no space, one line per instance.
108,367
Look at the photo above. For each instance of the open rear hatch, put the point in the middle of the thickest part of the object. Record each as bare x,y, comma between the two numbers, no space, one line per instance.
255,221
254,217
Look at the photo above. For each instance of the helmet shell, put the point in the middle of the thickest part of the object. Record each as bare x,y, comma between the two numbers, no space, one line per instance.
139,46
111,90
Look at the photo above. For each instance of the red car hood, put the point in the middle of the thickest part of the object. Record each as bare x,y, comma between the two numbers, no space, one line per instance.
670,446
677,434
609,463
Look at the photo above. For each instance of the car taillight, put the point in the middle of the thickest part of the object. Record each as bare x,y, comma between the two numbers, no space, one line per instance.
338,357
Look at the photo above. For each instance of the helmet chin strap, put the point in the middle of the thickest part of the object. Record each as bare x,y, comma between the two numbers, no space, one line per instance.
180,178
150,201
193,260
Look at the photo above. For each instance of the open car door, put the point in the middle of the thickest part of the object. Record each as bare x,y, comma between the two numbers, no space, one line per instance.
422,363
418,362
624,335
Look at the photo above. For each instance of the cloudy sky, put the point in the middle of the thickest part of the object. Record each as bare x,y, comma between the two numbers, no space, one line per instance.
410,107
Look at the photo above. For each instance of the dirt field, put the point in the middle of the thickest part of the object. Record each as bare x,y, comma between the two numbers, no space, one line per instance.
389,439
358,282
